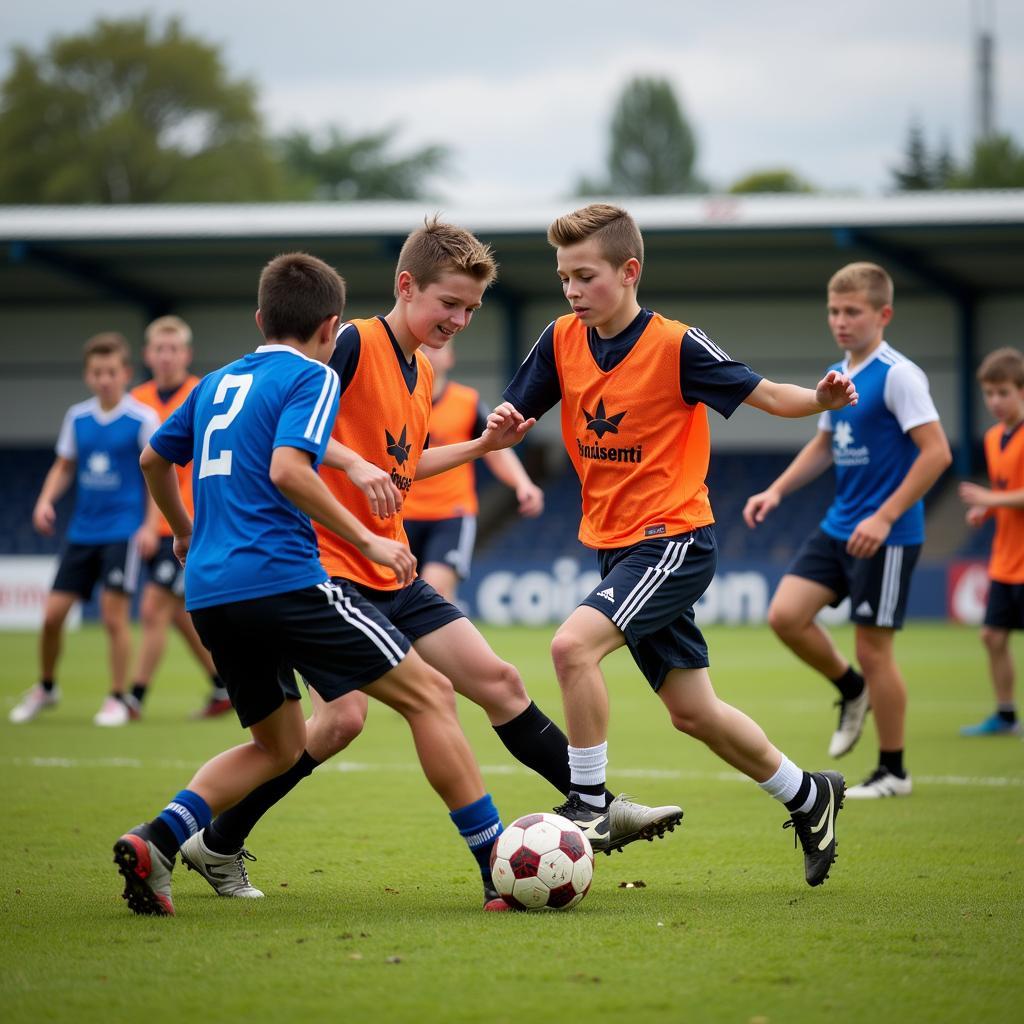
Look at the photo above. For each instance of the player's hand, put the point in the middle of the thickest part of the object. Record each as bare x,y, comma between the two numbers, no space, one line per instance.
759,505
44,518
147,540
505,427
868,536
181,546
975,494
835,391
976,515
384,497
394,555
531,500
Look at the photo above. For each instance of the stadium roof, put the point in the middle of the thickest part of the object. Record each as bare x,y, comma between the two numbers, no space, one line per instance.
965,245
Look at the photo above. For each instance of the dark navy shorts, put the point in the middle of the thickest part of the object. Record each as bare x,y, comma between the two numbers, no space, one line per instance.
648,591
414,611
878,587
165,570
336,640
445,541
1005,608
114,565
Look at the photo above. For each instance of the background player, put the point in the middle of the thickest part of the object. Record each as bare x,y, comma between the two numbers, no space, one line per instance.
633,388
256,430
98,449
168,354
440,512
1002,383
888,451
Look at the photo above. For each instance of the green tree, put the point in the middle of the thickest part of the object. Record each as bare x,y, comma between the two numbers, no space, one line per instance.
129,113
771,180
997,162
358,167
916,174
651,149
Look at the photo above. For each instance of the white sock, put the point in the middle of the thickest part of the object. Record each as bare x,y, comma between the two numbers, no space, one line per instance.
785,784
588,767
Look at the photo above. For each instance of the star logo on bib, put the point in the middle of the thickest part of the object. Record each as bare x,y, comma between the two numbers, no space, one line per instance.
600,422
398,449
843,435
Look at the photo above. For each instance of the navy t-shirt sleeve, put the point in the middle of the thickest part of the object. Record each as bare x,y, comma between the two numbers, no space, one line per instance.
536,388
308,413
174,439
708,375
346,355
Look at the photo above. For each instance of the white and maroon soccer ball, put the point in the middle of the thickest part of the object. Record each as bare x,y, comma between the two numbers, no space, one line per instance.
542,860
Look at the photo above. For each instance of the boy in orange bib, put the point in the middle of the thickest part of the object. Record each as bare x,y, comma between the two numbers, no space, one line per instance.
634,387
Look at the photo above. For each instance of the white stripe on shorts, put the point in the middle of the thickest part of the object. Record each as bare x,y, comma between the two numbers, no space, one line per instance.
671,559
354,616
132,565
892,571
462,556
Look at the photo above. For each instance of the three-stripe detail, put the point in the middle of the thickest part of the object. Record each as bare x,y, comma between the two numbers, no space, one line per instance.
654,576
892,572
356,617
318,420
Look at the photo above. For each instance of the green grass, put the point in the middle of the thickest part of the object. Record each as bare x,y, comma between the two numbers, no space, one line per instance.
372,909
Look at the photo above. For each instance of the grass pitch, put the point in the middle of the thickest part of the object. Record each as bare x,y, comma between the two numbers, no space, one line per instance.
372,909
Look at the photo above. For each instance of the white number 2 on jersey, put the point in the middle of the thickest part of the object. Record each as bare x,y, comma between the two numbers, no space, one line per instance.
220,465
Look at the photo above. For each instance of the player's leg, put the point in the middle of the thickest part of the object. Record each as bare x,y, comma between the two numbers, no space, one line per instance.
813,800
115,611
1003,613
46,694
443,578
218,853
156,610
819,576
444,551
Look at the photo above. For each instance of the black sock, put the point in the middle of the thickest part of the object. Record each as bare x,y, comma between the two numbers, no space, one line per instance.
893,761
801,794
228,832
160,835
139,691
47,685
535,741
1008,715
850,684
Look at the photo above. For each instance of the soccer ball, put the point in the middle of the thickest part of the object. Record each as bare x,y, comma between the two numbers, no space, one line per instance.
542,860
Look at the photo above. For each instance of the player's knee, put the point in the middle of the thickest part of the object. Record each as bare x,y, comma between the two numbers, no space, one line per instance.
694,721
569,653
115,620
995,640
340,727
783,619
873,654
505,686
430,692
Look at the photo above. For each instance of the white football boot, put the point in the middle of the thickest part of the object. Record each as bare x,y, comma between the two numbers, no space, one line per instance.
851,724
880,783
224,871
35,700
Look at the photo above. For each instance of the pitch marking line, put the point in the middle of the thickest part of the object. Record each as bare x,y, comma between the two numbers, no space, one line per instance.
968,781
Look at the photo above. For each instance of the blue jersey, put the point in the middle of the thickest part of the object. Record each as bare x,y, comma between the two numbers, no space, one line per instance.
105,444
249,540
871,446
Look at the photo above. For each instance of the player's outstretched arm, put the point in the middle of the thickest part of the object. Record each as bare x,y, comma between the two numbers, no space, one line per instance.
834,391
292,473
505,427
986,498
384,497
58,480
505,465
162,481
811,461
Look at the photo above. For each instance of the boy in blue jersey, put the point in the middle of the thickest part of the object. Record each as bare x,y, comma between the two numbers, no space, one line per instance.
98,448
888,451
255,431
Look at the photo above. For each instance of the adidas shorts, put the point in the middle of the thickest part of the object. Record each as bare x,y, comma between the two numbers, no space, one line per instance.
445,541
878,587
414,611
165,570
1005,608
328,633
648,591
82,566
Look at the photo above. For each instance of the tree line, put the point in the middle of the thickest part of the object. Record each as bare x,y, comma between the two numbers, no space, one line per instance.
131,112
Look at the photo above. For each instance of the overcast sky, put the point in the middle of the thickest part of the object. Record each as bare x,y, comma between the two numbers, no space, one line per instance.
522,92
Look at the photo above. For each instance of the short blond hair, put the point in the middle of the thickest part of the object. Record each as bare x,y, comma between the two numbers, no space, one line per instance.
166,325
1003,366
868,278
438,248
613,228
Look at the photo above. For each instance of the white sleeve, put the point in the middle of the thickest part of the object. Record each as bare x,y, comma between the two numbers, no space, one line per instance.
67,447
825,422
907,397
147,428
